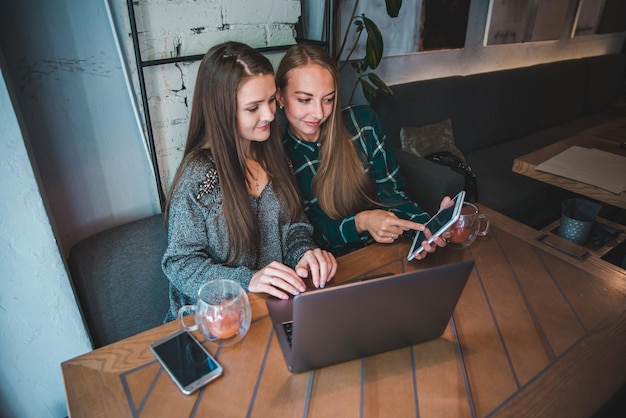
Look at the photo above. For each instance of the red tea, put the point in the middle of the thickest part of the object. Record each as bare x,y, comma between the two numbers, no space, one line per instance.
460,234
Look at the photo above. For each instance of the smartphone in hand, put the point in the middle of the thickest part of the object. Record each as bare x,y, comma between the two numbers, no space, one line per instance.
438,224
187,362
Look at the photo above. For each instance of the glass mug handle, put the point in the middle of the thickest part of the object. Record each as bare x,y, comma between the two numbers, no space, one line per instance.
181,312
483,225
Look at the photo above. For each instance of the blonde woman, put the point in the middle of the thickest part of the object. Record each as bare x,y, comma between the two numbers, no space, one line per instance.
347,174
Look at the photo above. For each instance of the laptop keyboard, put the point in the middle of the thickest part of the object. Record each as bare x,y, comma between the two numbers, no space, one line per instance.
288,327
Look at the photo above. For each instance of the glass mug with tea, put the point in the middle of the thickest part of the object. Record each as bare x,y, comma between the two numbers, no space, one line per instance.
222,312
470,225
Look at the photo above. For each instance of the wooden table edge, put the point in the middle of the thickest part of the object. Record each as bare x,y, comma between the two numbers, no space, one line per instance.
540,397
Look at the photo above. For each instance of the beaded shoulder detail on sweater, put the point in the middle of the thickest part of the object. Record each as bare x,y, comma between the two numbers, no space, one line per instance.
208,184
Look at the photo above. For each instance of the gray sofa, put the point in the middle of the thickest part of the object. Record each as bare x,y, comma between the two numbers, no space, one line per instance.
501,115
118,281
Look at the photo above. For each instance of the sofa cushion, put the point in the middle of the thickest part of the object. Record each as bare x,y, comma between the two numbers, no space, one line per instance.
429,139
118,280
527,200
427,182
562,91
604,72
426,102
504,106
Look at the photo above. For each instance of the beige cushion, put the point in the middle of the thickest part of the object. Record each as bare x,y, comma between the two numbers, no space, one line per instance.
429,139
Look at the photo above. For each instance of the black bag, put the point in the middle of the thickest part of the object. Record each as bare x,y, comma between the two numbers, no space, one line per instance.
456,164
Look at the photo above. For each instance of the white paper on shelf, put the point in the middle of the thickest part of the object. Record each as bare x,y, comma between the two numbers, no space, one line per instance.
591,166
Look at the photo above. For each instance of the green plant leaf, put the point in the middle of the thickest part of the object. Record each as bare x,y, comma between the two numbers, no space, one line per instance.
379,84
393,7
374,45
369,91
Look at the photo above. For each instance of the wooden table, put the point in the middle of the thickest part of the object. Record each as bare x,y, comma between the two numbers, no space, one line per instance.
606,137
535,334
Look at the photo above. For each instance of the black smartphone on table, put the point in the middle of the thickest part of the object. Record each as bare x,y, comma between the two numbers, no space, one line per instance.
187,362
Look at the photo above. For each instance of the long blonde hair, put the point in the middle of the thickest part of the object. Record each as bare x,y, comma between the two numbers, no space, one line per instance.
341,185
213,125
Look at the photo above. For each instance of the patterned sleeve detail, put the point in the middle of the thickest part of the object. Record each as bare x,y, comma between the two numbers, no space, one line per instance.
209,183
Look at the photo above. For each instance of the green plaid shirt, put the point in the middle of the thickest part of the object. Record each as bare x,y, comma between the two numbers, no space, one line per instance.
340,235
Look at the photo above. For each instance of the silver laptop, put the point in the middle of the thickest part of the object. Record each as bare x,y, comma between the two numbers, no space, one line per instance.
364,317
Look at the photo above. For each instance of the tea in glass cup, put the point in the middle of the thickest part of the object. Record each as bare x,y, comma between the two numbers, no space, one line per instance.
470,225
222,312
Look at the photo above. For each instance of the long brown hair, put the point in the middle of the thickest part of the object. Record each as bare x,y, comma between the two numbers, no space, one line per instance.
213,126
340,184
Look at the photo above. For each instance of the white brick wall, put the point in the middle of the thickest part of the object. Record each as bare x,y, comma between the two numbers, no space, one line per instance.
261,12
171,28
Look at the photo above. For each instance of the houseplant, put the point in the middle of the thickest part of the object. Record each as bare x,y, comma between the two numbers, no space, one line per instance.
374,48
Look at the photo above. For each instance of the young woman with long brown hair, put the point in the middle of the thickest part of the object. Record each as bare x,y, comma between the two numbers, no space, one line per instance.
347,174
233,209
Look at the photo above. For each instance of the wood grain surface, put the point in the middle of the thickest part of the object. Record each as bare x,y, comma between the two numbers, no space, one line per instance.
535,333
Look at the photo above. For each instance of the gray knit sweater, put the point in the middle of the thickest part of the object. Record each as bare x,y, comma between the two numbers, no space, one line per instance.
197,236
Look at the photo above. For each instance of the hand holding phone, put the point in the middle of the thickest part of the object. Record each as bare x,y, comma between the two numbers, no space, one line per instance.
437,225
187,362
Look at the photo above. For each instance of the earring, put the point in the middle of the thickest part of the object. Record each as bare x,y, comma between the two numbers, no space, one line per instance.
281,107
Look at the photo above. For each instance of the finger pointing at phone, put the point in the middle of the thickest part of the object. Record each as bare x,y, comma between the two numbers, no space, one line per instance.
383,226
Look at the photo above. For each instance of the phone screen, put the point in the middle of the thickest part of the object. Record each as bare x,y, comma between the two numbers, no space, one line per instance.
438,224
186,360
